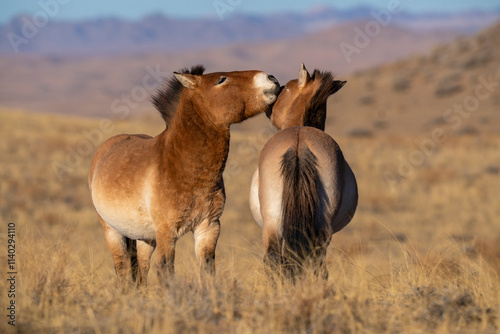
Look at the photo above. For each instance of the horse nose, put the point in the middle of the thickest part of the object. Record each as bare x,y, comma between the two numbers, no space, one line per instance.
273,79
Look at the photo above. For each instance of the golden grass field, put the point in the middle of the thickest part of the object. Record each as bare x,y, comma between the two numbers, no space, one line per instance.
422,254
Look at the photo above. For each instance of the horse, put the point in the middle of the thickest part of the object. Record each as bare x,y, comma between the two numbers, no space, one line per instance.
303,191
149,191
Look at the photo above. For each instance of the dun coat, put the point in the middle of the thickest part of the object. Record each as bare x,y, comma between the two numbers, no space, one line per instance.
149,191
303,190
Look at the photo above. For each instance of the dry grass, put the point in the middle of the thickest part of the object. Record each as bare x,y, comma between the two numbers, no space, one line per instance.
421,255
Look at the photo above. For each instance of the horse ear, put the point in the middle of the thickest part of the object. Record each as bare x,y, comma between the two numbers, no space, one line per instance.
337,84
187,80
304,76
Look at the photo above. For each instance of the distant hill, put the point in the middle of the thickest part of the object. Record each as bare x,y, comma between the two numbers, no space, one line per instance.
112,36
455,88
91,85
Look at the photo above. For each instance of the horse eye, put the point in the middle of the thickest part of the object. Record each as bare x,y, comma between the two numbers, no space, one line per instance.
221,80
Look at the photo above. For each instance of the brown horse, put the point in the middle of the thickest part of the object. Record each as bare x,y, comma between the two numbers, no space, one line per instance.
149,191
303,190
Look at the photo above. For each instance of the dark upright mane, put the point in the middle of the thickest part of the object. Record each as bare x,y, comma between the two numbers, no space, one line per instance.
315,114
167,98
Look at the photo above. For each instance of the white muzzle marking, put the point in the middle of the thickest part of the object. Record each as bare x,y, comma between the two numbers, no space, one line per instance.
269,88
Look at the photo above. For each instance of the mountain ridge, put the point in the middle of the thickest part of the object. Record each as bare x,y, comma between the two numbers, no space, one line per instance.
157,32
88,85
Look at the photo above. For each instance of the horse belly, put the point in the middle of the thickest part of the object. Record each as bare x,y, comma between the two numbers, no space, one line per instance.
129,218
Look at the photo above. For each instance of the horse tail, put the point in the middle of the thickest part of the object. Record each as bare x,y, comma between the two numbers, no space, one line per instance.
300,199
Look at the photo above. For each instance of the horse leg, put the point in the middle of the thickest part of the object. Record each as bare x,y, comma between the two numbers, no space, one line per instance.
205,240
144,251
272,246
165,248
321,270
117,244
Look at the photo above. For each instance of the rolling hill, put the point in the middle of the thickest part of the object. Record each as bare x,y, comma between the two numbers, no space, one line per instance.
455,87
92,85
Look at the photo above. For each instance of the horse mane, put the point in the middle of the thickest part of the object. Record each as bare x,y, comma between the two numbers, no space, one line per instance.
315,114
168,96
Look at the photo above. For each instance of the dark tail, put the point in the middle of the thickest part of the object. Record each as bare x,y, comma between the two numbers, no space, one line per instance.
299,202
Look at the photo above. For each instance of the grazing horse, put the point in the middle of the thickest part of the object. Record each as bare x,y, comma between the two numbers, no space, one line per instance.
149,191
303,190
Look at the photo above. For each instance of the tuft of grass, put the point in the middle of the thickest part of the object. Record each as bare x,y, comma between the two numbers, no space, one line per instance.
449,85
420,255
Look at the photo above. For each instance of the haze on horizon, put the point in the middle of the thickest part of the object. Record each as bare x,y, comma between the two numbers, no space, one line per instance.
133,10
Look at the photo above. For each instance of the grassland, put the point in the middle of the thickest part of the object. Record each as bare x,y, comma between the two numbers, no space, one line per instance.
421,255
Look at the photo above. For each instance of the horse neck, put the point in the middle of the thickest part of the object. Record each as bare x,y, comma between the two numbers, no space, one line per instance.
315,118
193,148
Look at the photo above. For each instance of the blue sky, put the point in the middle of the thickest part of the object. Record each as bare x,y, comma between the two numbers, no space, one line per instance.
82,9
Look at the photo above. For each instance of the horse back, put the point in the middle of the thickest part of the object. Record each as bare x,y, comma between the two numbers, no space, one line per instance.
110,145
